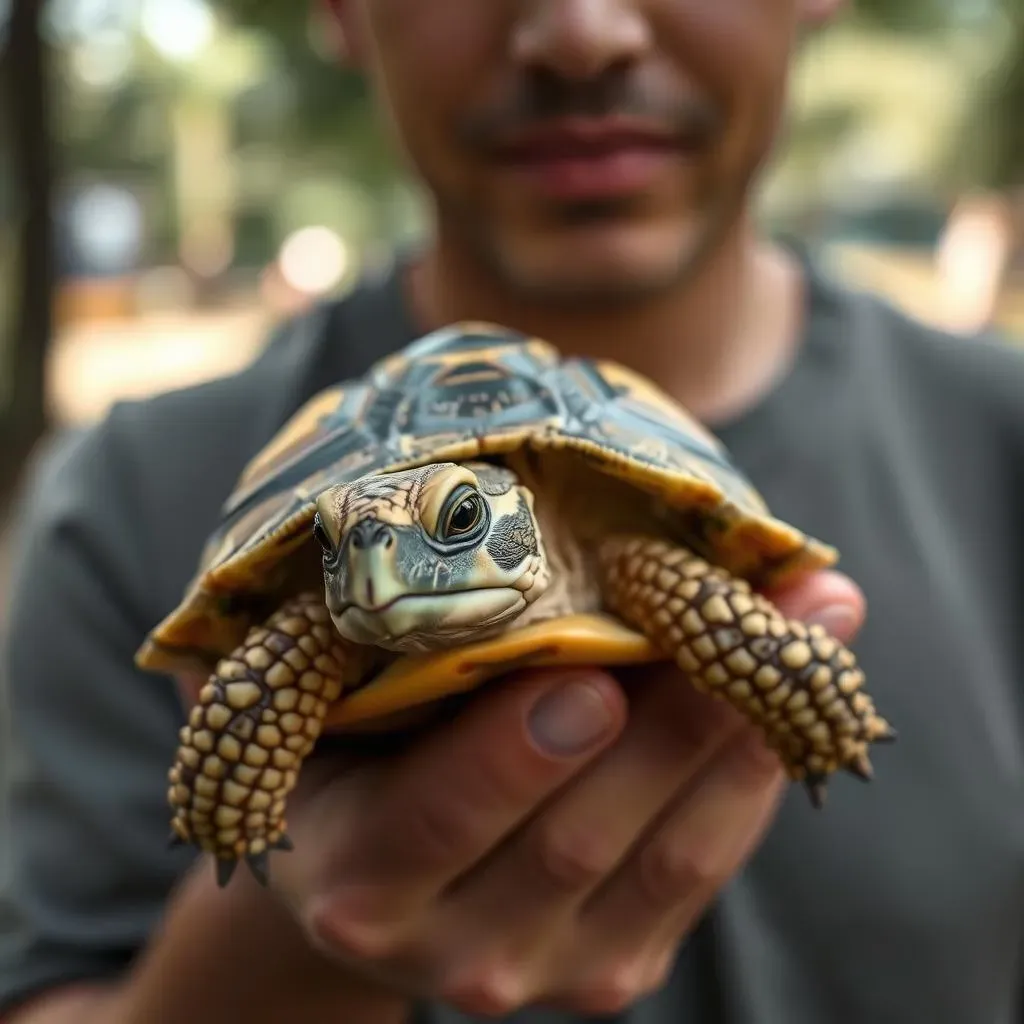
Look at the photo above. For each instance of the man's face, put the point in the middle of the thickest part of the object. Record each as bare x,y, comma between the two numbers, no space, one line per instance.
583,150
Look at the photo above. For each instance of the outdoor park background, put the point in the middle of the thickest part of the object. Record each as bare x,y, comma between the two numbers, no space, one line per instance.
177,174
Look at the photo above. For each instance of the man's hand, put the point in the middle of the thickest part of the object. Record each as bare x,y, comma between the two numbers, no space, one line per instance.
554,844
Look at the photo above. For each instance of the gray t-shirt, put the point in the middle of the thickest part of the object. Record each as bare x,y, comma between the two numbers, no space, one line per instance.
902,901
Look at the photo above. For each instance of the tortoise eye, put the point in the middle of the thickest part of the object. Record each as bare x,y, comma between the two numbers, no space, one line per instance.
322,537
464,514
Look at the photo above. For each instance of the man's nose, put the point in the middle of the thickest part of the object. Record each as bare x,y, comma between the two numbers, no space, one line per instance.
580,39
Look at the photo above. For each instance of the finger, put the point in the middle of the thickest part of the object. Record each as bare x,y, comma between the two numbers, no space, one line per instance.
677,869
445,803
745,752
829,598
546,872
557,860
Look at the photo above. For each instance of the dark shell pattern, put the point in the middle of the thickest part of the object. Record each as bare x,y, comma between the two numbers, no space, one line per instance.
467,391
470,389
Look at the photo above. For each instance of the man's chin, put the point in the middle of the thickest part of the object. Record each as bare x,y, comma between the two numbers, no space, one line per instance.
610,266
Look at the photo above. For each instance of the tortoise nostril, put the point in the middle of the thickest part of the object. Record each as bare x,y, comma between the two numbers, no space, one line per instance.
370,533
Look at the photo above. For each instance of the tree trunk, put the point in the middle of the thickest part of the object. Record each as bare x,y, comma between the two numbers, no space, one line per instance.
24,89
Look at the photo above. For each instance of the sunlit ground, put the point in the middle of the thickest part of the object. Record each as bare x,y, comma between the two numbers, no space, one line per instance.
96,364
909,280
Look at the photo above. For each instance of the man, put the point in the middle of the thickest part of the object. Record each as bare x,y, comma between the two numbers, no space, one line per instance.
571,844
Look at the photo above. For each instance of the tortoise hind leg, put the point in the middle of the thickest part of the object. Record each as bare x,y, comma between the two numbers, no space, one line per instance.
801,686
256,719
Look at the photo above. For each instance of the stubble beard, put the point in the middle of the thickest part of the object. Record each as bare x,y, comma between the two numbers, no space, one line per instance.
605,292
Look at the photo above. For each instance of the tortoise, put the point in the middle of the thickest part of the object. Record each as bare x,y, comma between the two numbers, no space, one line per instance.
473,503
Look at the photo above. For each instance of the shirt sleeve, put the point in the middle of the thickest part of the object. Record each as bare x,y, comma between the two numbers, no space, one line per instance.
86,737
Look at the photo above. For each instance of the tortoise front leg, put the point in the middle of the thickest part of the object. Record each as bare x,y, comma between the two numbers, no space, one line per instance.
256,719
801,686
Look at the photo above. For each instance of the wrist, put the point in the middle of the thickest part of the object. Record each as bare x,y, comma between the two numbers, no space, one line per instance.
239,953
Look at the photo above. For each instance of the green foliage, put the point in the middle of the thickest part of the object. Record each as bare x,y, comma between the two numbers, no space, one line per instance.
904,15
992,150
306,143
327,104
330,105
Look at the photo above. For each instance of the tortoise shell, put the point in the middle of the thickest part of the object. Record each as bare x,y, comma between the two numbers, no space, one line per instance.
468,391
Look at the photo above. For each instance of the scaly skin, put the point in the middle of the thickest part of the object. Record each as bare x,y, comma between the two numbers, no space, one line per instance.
256,720
799,685
263,708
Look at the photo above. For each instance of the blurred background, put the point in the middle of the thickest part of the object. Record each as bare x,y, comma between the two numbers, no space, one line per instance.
175,175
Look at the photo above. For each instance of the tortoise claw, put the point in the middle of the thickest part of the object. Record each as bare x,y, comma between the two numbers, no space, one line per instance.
861,768
259,865
225,869
817,790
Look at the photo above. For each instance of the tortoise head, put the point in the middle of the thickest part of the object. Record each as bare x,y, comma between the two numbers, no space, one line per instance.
431,557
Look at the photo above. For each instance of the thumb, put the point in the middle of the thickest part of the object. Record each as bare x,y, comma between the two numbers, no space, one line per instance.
830,599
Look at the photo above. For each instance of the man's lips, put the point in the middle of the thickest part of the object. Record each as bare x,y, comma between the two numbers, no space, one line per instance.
583,138
598,160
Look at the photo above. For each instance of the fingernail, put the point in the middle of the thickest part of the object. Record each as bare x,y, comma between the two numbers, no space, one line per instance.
837,619
571,719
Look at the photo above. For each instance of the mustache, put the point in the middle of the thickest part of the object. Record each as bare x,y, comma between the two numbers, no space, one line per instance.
542,97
